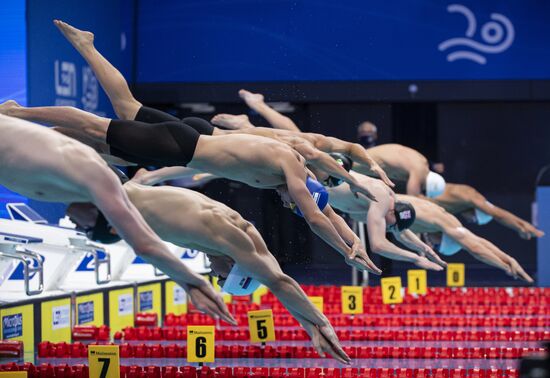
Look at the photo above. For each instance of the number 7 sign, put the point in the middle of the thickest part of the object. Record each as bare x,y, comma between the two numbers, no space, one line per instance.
104,361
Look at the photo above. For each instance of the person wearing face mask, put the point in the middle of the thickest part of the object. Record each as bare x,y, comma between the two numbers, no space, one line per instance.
463,200
367,134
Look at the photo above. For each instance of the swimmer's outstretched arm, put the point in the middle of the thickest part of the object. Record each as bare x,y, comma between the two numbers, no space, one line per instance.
169,173
255,101
525,229
358,258
474,245
515,269
317,221
379,244
324,162
415,181
109,196
355,152
111,80
413,242
265,268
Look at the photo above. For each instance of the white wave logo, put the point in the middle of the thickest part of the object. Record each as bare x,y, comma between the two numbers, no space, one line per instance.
497,34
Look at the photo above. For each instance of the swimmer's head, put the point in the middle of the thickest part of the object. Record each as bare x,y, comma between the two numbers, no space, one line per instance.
84,215
345,162
221,266
238,282
92,222
367,134
476,216
315,188
435,185
401,217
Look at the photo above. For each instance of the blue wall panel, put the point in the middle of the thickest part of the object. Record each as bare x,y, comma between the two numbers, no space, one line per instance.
57,75
288,40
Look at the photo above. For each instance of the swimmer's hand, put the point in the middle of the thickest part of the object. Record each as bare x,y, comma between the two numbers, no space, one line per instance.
382,175
432,256
324,340
424,263
528,232
359,259
209,301
516,271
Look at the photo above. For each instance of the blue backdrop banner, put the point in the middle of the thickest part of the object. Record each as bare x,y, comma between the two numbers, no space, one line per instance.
58,75
307,40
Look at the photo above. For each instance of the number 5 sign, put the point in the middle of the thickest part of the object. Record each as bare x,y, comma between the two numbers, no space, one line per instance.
261,326
200,344
104,361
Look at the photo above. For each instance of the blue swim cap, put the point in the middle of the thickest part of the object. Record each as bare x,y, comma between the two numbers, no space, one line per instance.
318,192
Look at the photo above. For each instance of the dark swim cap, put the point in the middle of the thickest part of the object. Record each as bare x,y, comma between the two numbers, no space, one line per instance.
121,175
345,162
404,214
102,231
318,192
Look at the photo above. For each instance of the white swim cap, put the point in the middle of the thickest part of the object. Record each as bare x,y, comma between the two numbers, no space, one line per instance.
239,283
448,246
482,217
435,185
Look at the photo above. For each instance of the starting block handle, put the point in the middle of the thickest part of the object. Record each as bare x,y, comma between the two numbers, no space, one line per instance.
98,262
84,245
27,269
38,268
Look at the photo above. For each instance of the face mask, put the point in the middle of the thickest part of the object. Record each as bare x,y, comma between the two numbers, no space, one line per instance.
367,141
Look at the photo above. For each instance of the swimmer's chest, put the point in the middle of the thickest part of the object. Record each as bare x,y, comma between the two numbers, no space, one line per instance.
260,178
42,187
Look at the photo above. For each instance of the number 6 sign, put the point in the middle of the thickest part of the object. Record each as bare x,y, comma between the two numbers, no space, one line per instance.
200,344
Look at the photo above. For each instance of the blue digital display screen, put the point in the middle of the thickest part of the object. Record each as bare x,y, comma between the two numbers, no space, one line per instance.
318,40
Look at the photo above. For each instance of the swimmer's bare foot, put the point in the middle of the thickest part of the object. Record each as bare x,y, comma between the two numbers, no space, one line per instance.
78,38
232,122
253,100
137,178
7,107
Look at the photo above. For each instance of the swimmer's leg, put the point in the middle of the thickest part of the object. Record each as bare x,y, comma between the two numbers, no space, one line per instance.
112,81
232,122
255,101
93,126
101,148
82,137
